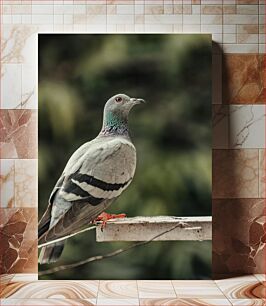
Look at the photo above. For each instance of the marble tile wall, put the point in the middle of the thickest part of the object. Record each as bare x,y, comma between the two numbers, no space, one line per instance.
238,32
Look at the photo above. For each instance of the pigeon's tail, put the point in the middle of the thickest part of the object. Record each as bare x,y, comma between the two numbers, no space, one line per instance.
51,253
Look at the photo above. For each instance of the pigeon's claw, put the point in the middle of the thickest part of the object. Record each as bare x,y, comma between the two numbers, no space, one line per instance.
104,217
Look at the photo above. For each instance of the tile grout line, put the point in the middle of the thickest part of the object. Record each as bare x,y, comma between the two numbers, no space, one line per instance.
138,291
258,14
98,289
258,173
174,289
220,289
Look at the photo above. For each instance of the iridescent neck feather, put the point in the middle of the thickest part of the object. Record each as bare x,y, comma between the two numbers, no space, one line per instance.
115,123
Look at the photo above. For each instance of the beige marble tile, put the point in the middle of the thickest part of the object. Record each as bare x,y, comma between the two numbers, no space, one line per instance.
120,19
248,29
153,9
242,287
191,19
197,289
229,9
187,9
247,38
140,28
120,1
98,27
240,49
26,178
215,28
18,43
96,9
6,9
216,2
211,9
111,9
229,28
139,7
155,289
247,126
248,302
240,19
163,19
261,26
11,83
43,9
237,279
7,183
211,19
168,8
52,290
262,38
159,28
117,302
79,19
42,19
191,28
247,9
139,19
178,9
247,1
79,8
229,38
118,289
195,9
262,176
184,302
29,87
48,302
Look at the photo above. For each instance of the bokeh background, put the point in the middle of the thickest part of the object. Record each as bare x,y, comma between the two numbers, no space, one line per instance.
172,135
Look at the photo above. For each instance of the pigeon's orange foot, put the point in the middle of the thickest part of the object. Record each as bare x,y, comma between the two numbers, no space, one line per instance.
104,217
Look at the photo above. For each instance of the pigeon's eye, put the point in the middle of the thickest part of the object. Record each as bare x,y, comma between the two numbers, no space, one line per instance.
118,99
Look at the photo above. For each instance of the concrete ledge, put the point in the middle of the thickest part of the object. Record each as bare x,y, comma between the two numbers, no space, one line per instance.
146,228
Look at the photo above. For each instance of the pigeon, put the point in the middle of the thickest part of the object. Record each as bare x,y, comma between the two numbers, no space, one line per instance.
94,176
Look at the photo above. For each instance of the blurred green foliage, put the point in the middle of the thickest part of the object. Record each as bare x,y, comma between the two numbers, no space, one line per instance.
172,134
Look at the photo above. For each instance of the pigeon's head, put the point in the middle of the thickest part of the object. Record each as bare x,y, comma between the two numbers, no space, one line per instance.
121,104
116,112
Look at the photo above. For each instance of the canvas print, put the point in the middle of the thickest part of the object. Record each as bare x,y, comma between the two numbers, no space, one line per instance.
124,136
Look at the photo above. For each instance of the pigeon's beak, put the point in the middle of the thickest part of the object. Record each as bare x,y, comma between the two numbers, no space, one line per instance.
135,101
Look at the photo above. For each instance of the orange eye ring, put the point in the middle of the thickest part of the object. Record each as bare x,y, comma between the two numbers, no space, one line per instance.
118,99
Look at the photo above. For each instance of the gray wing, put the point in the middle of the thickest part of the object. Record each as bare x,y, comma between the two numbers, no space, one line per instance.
45,220
76,216
95,175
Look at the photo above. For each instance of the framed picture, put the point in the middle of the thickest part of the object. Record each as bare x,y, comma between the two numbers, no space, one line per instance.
87,92
192,215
